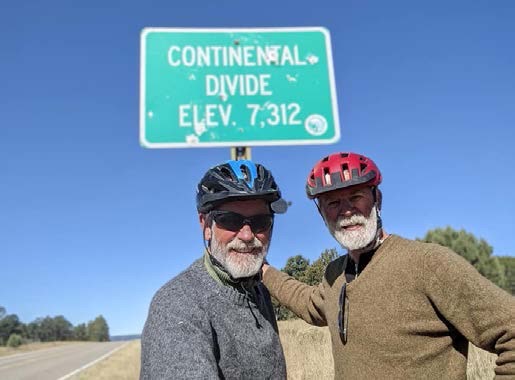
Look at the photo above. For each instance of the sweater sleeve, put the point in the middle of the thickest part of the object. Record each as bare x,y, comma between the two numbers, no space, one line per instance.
477,308
305,301
177,343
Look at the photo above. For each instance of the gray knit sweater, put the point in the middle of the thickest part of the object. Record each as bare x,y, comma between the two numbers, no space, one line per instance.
199,329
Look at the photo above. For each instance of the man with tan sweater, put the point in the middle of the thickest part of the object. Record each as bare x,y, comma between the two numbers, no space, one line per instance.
396,308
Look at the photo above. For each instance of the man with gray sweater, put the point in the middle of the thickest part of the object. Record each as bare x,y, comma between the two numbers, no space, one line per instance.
215,320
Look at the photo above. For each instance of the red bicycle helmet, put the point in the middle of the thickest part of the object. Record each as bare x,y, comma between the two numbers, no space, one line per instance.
340,170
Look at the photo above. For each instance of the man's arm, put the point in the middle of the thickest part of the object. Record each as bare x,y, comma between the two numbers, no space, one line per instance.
305,301
481,311
177,344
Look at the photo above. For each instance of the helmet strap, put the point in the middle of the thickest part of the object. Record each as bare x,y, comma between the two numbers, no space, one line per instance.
319,210
207,224
379,219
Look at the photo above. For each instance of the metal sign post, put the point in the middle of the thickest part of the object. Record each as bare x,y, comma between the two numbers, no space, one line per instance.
241,153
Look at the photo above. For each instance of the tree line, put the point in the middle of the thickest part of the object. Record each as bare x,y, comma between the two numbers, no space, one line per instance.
13,332
498,269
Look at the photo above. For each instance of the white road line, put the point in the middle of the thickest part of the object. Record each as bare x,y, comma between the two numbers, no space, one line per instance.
93,362
28,353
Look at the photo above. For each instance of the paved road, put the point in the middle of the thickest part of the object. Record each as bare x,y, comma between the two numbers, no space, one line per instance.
53,363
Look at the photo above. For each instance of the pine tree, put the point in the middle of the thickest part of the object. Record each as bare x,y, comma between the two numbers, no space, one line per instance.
98,330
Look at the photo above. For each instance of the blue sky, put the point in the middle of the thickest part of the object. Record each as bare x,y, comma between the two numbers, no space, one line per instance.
92,223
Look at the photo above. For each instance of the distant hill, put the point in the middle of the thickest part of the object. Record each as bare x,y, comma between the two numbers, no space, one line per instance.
116,338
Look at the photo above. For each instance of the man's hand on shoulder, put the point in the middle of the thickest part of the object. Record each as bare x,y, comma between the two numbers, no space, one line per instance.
265,266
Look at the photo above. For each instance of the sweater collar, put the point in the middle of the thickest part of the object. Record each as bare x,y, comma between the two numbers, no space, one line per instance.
353,269
220,275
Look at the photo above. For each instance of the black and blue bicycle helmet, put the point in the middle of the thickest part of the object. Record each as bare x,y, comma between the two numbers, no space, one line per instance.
238,180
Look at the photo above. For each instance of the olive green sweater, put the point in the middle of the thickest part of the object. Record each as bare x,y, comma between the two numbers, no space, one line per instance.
410,313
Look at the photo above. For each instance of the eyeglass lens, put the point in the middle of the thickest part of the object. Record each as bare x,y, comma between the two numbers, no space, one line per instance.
233,221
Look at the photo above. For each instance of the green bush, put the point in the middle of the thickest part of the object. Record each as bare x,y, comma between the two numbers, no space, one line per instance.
14,341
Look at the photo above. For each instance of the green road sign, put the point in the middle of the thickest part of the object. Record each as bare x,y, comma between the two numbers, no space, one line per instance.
237,87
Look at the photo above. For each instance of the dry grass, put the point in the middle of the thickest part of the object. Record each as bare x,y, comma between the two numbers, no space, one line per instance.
124,364
4,351
307,350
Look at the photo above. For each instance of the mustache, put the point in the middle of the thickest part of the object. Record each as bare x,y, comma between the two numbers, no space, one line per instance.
354,219
240,245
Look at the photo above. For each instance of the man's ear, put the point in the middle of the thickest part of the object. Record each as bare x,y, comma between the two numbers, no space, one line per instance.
205,226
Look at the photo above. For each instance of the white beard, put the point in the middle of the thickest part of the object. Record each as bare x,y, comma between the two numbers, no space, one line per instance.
357,239
239,265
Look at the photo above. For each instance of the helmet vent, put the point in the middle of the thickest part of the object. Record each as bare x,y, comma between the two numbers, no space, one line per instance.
362,167
226,173
325,159
345,172
245,173
327,176
344,155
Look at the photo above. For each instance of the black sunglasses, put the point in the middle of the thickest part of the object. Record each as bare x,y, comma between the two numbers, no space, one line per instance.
343,324
233,221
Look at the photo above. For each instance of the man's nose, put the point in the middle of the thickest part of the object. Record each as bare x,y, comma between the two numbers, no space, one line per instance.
346,208
245,233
